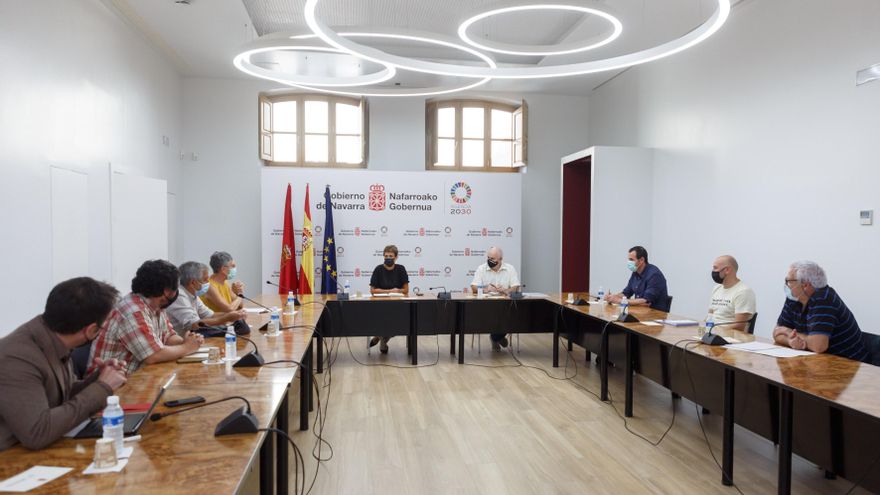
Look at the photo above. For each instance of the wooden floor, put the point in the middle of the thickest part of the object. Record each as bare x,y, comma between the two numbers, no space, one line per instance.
509,429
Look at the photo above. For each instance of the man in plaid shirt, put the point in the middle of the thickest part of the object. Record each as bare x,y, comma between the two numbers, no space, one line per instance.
138,331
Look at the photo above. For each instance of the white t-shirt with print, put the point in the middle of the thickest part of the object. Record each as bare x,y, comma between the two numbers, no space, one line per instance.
728,302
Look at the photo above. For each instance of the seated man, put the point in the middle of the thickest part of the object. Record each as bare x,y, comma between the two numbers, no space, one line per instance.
496,276
40,397
815,318
222,295
388,278
138,331
732,300
646,286
188,313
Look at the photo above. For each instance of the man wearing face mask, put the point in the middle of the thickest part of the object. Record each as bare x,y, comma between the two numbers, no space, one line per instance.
138,331
499,277
388,278
40,396
732,300
188,312
222,295
646,286
814,318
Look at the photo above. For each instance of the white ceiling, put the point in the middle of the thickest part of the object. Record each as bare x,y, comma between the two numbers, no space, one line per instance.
202,38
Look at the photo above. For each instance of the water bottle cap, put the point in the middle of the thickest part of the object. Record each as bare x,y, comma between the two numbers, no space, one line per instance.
113,400
230,328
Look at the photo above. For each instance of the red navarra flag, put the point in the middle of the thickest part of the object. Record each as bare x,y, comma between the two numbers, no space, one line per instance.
288,280
307,264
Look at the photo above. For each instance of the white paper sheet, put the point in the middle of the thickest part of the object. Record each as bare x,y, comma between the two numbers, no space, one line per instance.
255,310
32,478
769,349
652,324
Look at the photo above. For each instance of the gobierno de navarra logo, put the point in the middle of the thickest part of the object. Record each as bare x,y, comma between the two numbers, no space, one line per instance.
377,197
460,192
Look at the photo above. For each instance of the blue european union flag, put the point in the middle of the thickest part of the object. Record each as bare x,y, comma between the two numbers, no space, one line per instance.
328,257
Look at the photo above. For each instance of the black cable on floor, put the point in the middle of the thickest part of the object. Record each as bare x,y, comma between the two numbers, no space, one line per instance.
298,460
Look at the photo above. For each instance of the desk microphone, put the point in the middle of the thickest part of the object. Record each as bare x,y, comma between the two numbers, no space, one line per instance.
517,294
714,339
239,421
251,359
441,295
255,302
295,299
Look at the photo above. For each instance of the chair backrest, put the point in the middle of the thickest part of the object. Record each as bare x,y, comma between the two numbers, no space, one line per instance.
80,357
667,306
872,343
752,320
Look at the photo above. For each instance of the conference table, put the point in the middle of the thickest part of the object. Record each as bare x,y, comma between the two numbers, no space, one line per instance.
821,407
179,453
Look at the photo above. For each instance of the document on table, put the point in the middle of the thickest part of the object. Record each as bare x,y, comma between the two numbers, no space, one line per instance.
651,324
389,294
769,349
32,478
534,294
255,310
678,323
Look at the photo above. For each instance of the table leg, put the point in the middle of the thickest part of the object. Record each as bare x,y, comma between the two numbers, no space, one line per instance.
414,332
304,386
603,368
461,335
556,342
320,342
628,370
786,398
266,474
281,456
727,445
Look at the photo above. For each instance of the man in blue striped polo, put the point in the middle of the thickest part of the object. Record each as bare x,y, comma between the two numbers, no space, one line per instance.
814,318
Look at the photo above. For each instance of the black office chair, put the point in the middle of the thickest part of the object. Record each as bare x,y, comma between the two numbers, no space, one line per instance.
666,306
80,357
872,343
751,327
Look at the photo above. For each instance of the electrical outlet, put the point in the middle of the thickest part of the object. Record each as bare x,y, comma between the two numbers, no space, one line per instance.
866,217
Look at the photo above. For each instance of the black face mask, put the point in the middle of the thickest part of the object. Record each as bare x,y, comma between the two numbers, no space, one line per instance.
492,263
716,276
389,261
171,300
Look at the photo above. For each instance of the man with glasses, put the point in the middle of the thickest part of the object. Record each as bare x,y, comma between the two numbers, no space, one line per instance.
138,331
814,318
389,278
496,276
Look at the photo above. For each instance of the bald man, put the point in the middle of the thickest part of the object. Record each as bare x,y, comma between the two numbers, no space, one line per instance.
732,299
496,276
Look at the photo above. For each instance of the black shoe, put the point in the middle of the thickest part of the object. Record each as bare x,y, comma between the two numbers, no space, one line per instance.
374,341
503,342
383,348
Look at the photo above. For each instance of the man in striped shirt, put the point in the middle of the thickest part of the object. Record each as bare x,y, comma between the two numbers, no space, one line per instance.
814,318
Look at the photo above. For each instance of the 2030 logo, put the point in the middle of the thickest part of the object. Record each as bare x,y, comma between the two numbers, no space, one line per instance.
460,192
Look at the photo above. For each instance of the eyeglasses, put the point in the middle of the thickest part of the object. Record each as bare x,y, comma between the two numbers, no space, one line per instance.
790,280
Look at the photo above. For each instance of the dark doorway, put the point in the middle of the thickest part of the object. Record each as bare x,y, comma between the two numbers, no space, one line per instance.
575,264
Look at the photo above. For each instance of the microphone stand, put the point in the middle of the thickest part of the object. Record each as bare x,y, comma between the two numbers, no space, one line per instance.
295,299
240,420
442,295
252,359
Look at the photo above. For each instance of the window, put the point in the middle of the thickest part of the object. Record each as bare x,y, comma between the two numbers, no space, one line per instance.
313,130
475,135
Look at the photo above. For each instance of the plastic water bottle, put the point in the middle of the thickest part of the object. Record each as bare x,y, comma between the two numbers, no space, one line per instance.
601,294
624,306
347,288
274,324
231,350
479,292
113,422
710,321
290,308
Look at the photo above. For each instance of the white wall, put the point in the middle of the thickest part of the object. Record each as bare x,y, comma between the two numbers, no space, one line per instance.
764,149
80,90
219,204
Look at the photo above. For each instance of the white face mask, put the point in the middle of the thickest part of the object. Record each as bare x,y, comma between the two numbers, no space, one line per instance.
203,289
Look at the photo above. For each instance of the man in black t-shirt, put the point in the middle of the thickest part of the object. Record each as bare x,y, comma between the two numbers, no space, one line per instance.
388,278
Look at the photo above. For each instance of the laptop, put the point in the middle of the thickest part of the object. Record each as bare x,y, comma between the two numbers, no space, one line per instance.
133,421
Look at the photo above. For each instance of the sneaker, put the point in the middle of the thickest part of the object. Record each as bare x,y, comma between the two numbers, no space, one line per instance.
503,342
496,346
383,348
374,341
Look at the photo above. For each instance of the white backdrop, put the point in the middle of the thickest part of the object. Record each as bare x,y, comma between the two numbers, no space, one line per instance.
442,222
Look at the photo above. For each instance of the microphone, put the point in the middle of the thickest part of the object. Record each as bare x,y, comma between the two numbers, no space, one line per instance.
239,421
267,308
710,338
441,295
252,359
295,299
517,294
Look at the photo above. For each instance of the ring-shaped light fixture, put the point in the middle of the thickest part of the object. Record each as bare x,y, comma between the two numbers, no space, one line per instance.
694,37
432,91
544,51
242,62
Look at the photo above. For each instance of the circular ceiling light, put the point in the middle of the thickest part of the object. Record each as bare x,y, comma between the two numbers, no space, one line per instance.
692,38
243,62
545,51
431,91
